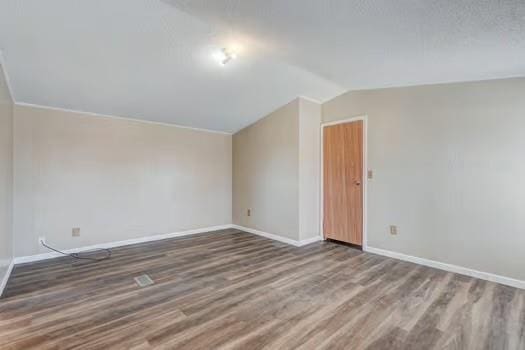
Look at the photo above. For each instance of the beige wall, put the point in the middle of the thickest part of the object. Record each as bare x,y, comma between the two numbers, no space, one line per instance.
115,179
447,162
276,172
449,170
309,168
266,173
6,176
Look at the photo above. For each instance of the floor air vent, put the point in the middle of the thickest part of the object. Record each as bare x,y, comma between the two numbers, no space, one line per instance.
143,281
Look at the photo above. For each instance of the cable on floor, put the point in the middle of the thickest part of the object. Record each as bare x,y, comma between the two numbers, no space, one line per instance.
81,257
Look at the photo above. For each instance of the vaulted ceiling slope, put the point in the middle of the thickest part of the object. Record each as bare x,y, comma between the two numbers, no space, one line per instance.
152,59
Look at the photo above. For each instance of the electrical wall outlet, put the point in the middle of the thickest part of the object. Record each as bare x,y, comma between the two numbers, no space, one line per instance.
370,174
393,230
75,232
41,240
249,212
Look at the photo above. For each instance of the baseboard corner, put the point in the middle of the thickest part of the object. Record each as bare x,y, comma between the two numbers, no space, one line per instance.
311,240
5,279
276,237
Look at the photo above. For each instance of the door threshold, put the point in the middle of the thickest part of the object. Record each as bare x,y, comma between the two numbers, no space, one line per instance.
351,245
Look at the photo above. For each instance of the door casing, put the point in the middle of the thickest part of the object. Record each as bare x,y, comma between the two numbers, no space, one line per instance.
363,118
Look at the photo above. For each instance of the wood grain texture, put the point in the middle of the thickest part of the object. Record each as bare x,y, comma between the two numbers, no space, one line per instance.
234,290
342,182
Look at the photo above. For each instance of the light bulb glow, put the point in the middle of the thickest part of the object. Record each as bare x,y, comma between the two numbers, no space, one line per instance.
224,56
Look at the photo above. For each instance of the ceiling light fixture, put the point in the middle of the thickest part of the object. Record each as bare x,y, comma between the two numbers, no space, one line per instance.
224,56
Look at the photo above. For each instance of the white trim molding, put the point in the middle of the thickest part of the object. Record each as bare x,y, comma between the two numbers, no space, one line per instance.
395,255
311,240
99,115
3,283
275,237
51,255
450,268
364,118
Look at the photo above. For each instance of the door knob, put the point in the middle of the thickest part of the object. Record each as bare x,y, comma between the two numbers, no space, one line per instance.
358,183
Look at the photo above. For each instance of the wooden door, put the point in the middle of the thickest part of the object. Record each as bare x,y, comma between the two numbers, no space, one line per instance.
343,182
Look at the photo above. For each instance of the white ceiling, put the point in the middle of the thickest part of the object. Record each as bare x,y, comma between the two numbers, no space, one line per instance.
152,59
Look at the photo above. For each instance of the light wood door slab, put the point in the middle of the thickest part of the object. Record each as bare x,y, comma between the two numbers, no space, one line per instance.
343,182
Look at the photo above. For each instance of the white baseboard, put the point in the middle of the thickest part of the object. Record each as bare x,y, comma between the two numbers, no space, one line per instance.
400,256
307,241
449,267
277,237
3,283
51,255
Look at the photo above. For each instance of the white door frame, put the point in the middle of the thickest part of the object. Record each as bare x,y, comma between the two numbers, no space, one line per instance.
364,118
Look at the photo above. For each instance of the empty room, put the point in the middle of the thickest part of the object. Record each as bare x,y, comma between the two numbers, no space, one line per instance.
254,174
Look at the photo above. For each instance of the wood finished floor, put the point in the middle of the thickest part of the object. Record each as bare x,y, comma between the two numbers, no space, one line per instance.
234,290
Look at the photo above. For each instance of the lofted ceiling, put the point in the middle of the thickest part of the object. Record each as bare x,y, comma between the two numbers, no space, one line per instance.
153,59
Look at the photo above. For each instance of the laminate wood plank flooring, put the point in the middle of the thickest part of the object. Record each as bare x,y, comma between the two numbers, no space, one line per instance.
234,290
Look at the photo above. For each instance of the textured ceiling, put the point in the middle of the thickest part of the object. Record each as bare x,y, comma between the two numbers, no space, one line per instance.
152,59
